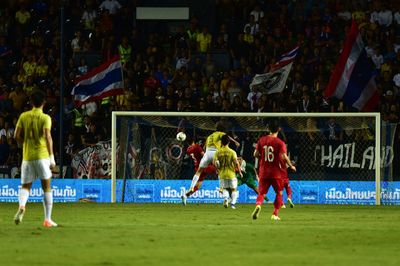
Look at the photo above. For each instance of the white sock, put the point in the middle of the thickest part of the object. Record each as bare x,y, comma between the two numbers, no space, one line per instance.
235,195
23,197
47,204
194,181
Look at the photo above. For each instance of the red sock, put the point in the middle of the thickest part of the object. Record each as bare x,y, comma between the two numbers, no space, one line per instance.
260,199
289,191
277,203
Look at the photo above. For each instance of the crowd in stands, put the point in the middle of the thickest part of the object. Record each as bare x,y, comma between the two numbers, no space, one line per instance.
176,70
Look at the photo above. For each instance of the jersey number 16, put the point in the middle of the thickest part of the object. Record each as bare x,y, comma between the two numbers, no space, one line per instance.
268,153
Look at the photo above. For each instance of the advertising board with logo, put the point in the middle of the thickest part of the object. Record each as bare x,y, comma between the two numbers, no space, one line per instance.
64,190
170,191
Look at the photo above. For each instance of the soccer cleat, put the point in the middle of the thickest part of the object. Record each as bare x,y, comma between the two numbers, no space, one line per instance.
19,216
290,202
184,198
275,218
233,206
226,203
283,206
256,212
49,223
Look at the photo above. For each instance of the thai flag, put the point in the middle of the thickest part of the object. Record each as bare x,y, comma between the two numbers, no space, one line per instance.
353,79
103,81
285,59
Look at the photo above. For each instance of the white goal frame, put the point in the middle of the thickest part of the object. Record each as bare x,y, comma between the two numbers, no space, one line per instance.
375,115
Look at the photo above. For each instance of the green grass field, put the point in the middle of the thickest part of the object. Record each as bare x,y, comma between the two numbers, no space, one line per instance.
171,234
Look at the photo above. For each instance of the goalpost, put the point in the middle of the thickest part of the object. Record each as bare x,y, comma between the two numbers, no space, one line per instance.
325,146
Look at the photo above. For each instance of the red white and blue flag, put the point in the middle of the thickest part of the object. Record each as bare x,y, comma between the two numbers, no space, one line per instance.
353,79
285,59
103,81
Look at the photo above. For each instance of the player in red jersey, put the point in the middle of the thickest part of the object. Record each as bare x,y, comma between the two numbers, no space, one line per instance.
196,152
271,151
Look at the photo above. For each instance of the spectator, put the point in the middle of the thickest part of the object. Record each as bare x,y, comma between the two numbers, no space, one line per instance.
83,67
89,16
253,97
77,42
252,25
22,19
209,68
18,97
204,40
112,6
71,147
257,13
125,50
42,69
182,61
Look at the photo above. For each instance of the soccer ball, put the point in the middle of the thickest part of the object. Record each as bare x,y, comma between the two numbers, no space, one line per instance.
181,136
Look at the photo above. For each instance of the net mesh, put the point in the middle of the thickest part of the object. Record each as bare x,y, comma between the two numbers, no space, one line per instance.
323,148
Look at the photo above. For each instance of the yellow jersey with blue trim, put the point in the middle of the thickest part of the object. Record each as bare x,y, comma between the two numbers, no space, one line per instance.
214,140
33,123
227,162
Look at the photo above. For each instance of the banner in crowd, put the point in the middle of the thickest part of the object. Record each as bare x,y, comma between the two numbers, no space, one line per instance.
93,161
170,191
275,80
272,82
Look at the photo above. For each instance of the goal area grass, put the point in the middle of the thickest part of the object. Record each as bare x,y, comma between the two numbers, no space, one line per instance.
200,234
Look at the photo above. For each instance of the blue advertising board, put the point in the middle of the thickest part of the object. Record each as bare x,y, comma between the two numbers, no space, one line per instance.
304,192
170,191
64,190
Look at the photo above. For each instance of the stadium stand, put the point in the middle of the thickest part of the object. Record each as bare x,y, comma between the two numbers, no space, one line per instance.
203,64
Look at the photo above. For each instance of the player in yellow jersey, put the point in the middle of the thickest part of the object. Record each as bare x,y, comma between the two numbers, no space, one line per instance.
33,132
213,143
226,161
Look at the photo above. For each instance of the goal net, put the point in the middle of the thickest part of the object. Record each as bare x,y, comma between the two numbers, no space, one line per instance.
335,148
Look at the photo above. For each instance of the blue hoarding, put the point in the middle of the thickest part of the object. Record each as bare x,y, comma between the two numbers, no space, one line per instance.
64,190
170,191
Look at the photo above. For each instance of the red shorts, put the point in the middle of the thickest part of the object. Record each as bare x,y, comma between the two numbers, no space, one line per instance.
265,183
209,170
285,182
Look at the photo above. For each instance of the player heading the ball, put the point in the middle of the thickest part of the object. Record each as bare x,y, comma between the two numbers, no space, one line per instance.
213,143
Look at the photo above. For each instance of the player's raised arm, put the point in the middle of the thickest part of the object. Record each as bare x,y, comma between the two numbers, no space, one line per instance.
234,141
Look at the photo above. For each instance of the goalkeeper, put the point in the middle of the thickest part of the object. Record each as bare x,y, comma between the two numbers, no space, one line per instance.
250,176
